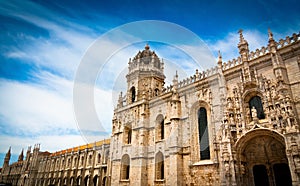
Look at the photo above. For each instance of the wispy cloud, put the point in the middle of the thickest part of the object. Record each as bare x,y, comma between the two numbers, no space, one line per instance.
228,44
53,44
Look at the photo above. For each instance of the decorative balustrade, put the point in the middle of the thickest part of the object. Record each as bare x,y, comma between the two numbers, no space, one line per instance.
288,40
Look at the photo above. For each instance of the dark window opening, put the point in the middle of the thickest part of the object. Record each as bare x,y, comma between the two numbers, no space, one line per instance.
132,94
257,104
86,179
99,158
162,130
127,172
162,171
95,180
260,175
282,174
203,134
129,134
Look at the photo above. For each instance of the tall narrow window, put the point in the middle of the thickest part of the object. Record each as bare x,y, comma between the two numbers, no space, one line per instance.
129,134
99,158
125,167
82,159
159,166
132,94
203,134
69,162
75,161
62,163
162,130
90,159
257,104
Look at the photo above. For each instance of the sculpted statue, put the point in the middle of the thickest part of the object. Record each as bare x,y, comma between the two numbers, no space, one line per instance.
253,112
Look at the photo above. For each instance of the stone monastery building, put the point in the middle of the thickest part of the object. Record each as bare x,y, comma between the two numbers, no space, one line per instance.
234,124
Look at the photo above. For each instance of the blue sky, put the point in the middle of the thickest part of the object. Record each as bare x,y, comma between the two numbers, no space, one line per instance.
43,43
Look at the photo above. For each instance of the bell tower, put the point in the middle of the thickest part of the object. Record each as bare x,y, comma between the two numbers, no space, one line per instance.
145,78
130,133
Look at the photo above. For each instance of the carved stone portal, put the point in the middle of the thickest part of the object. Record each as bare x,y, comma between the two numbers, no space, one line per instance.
262,159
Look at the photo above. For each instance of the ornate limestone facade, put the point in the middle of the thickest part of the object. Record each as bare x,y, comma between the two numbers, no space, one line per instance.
234,124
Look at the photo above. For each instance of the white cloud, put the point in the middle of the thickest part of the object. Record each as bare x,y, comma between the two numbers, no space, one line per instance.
39,114
228,45
48,142
33,108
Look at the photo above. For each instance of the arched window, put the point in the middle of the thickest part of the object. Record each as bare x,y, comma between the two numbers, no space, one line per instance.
57,164
90,159
95,180
162,129
82,160
62,163
86,181
106,156
75,161
127,135
65,181
125,167
156,92
257,104
99,158
203,134
159,166
78,180
132,90
160,133
72,181
69,162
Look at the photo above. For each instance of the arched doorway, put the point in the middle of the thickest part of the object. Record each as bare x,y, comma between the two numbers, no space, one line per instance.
260,175
95,180
86,180
262,159
104,181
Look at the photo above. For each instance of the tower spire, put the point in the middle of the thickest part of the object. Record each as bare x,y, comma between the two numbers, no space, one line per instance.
21,156
241,36
243,47
7,158
272,44
220,59
270,34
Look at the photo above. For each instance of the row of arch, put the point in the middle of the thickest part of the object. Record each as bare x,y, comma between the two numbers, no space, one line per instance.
133,94
74,161
71,181
159,167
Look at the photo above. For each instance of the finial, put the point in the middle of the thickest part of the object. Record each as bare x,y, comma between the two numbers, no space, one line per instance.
147,47
241,35
270,34
219,57
219,54
175,80
21,156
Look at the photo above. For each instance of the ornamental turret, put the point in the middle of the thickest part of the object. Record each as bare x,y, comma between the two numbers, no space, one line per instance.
145,78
